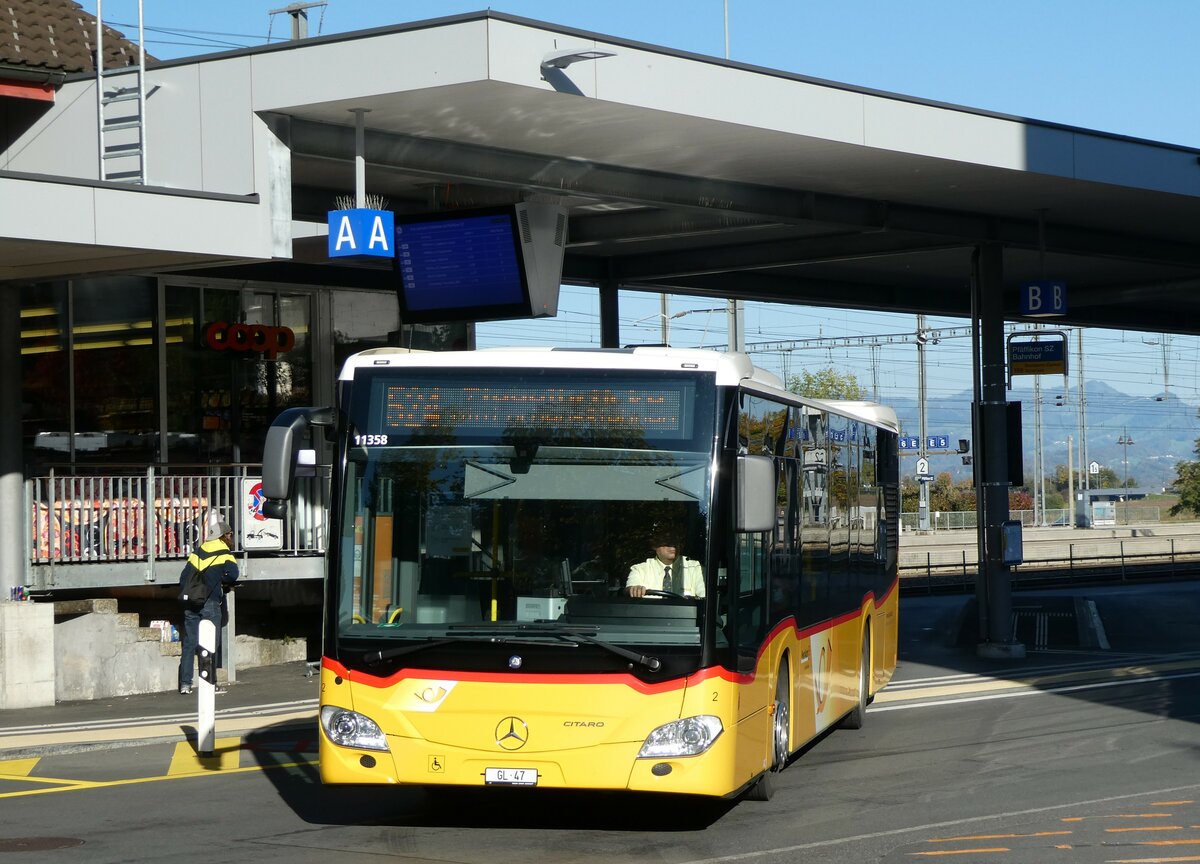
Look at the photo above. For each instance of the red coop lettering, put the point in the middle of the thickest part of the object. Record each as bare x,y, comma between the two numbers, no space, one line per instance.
256,338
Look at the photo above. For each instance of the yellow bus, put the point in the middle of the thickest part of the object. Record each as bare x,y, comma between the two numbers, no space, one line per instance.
492,510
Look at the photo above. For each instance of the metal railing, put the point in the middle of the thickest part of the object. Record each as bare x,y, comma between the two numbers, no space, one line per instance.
149,517
1114,556
960,520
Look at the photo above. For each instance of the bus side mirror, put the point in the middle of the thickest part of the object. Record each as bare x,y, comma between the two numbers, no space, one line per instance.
282,450
755,493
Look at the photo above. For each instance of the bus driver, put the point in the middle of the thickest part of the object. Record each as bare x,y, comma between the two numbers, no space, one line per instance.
666,571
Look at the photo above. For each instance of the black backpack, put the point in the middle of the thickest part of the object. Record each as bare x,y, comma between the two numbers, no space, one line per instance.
193,587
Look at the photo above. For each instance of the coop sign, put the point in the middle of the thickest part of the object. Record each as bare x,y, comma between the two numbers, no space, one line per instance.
249,338
362,233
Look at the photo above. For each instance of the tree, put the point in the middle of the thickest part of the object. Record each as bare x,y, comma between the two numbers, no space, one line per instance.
1108,479
1019,499
1187,484
827,383
946,496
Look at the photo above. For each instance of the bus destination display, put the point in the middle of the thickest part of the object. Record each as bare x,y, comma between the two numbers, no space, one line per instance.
657,411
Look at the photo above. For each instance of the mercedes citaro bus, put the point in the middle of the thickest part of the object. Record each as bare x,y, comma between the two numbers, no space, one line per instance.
488,507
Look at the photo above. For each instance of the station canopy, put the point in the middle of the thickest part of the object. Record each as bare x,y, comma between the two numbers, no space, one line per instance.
702,176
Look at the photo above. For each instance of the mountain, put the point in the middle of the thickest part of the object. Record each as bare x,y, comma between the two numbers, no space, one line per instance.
1163,430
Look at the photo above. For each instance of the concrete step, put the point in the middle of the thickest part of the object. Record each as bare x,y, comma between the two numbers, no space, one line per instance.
71,608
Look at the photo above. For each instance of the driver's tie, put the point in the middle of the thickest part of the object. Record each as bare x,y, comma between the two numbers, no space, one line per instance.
666,578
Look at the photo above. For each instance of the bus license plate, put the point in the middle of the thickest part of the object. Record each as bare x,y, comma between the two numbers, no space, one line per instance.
510,776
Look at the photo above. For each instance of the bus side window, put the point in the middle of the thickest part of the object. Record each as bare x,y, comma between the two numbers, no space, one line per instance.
751,594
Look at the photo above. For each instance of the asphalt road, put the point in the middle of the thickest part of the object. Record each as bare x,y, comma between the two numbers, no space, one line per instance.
1075,755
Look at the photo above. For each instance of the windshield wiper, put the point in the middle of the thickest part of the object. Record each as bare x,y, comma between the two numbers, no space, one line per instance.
571,634
651,663
371,658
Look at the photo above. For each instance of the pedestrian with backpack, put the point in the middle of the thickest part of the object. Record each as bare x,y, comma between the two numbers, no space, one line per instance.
210,571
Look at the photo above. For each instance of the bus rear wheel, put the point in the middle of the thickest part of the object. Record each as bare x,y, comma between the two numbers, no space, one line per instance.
854,720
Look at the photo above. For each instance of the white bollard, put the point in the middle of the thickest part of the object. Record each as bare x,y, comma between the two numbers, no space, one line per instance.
206,696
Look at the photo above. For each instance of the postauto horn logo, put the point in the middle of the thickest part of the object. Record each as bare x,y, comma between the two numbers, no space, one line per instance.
257,338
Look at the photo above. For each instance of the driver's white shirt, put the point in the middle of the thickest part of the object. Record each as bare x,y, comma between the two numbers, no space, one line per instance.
649,574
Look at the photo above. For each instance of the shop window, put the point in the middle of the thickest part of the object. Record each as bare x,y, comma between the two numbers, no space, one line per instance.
246,357
115,363
45,406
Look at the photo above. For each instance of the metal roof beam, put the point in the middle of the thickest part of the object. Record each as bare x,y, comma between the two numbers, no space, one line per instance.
772,254
561,177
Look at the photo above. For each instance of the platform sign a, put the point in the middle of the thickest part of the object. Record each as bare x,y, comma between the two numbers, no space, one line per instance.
361,233
258,531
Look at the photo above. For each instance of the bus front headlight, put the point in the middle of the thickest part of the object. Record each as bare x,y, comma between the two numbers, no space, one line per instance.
690,736
348,728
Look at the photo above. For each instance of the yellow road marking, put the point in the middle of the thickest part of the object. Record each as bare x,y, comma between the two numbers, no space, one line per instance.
105,784
143,733
51,781
1145,828
227,754
1137,816
17,767
998,836
962,851
1169,803
1120,816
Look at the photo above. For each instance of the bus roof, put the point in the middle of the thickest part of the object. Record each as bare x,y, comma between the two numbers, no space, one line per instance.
730,368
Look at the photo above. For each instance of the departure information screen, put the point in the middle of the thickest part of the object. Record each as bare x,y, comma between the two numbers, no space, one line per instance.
465,262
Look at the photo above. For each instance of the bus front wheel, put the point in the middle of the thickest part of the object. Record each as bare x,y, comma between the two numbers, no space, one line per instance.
764,787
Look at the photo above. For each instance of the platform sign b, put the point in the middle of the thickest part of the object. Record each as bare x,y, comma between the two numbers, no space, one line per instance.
1043,298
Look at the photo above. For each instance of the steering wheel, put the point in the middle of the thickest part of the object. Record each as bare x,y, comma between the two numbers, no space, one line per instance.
654,592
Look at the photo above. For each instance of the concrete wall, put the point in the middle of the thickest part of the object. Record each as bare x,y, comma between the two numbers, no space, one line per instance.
26,654
99,652
103,652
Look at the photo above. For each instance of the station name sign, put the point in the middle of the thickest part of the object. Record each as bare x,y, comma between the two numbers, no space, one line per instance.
1044,357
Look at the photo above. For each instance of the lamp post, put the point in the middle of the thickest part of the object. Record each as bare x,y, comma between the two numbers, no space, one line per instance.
1125,441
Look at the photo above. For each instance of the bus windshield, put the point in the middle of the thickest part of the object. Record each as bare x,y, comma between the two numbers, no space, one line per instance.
514,505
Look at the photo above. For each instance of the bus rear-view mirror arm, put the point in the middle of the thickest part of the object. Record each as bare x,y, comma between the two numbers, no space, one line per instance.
282,451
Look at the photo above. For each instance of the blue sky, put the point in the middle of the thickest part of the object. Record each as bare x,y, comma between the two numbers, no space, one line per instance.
1122,67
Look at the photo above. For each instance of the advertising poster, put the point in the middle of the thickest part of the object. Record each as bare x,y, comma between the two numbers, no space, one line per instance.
258,532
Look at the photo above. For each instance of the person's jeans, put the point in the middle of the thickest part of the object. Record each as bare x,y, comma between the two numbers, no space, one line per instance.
212,611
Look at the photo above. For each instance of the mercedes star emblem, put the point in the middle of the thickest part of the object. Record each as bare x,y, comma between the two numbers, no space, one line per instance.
512,733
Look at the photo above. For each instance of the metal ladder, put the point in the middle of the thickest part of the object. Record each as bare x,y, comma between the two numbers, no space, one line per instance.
121,111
